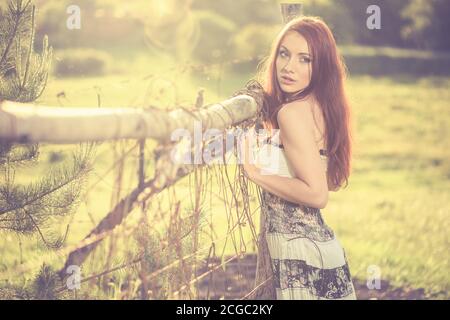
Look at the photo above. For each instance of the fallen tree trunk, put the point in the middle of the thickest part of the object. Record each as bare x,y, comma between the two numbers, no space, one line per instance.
27,123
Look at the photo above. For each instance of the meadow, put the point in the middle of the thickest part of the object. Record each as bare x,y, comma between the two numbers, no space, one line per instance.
394,214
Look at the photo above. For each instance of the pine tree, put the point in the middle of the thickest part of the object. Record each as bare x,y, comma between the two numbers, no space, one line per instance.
23,73
32,208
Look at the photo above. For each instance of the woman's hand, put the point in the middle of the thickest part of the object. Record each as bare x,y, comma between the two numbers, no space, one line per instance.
247,140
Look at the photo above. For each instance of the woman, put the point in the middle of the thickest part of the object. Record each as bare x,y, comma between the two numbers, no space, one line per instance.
309,121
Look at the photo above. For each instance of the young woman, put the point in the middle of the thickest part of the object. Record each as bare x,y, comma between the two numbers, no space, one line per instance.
309,121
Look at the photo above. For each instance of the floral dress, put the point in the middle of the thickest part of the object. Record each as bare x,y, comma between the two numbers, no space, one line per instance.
299,256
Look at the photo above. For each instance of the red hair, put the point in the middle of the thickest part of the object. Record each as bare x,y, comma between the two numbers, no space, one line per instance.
327,88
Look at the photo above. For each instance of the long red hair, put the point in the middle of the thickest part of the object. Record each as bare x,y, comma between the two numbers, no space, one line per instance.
326,86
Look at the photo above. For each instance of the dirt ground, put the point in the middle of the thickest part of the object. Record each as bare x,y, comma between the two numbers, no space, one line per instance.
238,277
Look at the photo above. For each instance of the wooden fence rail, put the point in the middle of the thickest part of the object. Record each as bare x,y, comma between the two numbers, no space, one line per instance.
28,123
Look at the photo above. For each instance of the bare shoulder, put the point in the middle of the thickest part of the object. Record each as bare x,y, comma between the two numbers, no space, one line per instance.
296,113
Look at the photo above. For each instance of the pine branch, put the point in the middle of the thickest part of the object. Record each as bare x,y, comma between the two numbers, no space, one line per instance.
17,155
23,73
31,208
27,209
17,13
30,48
43,192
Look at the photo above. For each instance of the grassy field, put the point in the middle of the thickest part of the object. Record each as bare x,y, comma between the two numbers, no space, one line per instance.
393,215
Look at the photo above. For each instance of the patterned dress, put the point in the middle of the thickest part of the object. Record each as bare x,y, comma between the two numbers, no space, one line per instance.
299,256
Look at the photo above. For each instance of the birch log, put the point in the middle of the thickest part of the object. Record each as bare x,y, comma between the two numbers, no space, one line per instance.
28,123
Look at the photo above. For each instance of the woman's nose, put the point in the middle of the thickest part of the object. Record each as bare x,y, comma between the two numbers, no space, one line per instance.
288,67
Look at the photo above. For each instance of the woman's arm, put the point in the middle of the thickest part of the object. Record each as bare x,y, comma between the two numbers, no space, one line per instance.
309,187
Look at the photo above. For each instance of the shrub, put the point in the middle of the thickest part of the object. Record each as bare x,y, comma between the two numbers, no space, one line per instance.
254,41
80,62
215,37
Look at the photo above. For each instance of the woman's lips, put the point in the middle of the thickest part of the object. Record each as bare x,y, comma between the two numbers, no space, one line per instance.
287,80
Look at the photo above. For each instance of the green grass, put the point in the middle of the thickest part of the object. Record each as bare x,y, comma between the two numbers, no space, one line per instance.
394,214
358,50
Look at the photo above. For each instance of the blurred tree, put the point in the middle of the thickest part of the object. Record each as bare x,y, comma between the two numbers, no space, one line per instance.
404,23
243,12
215,36
172,24
106,23
254,40
31,208
234,29
171,27
337,16
391,22
427,24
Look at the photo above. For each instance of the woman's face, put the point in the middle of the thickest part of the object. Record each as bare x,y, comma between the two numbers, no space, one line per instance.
293,63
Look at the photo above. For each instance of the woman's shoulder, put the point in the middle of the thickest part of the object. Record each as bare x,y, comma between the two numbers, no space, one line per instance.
298,111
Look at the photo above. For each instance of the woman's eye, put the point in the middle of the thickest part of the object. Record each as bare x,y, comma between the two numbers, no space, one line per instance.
305,59
283,54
